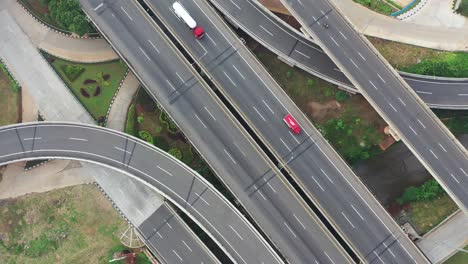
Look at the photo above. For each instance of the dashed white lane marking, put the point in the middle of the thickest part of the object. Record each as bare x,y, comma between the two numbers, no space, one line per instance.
269,33
362,57
211,39
320,186
433,154
233,83
421,123
423,92
414,131
355,210
269,108
99,6
78,139
234,3
235,231
389,250
394,109
167,223
235,68
290,230
159,234
125,11
187,246
314,18
442,147
336,43
353,63
381,78
28,139
300,2
323,13
464,172
271,187
168,173
200,120
237,146
212,116
401,101
144,53
180,78
154,46
375,87
294,137
451,174
178,255
378,257
201,198
170,84
329,257
462,94
302,54
347,219
229,155
326,175
256,110
123,150
341,33
303,226
285,145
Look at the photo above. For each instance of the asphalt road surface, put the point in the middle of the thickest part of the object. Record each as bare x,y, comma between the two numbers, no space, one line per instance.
319,170
294,47
427,137
277,209
148,164
172,240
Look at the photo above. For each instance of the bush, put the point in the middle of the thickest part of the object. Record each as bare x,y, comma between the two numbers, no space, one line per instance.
146,136
97,91
171,126
428,191
68,14
84,92
72,71
289,74
187,155
140,119
341,96
88,81
310,82
130,126
161,143
176,153
158,129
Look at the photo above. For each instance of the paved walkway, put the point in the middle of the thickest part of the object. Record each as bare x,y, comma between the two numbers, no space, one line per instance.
74,49
118,113
439,244
377,25
439,13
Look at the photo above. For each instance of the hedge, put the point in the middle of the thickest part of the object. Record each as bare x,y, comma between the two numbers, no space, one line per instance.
146,136
130,127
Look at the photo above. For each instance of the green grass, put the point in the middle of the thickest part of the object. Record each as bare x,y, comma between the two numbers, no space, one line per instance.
96,105
70,225
463,8
378,6
10,99
448,64
459,258
425,215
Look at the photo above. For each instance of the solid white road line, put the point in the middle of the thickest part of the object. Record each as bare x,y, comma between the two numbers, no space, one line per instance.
347,219
299,221
212,116
290,230
154,46
126,13
200,120
201,198
235,231
271,34
168,173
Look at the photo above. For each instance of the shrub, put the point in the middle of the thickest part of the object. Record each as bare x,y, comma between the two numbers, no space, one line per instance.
289,74
106,77
97,91
428,191
140,119
161,143
341,96
187,155
88,81
72,71
84,92
463,8
171,126
146,136
158,129
176,153
310,82
68,14
130,127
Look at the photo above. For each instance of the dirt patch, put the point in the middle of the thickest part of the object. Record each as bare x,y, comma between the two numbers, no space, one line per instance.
321,112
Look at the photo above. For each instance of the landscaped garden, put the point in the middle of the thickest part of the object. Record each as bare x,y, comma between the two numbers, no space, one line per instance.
10,98
70,225
385,7
93,84
64,15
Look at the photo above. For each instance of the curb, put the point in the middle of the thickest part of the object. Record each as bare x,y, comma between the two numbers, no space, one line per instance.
412,11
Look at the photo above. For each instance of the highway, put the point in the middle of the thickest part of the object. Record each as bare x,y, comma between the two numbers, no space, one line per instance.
317,168
278,210
184,187
172,241
297,49
424,134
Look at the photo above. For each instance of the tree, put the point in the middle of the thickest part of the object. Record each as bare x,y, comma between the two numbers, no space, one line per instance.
68,14
176,153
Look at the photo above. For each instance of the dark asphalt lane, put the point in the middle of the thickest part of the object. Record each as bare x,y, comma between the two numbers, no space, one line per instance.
315,165
172,240
277,209
153,167
438,150
276,35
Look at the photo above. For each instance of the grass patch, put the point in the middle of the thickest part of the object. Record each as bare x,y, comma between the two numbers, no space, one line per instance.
379,6
463,8
348,122
425,215
70,225
459,258
10,99
93,84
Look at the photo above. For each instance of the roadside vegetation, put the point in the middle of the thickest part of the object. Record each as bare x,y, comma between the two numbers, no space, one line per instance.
418,60
455,120
148,122
65,15
70,225
459,258
463,8
10,98
385,7
94,84
347,121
